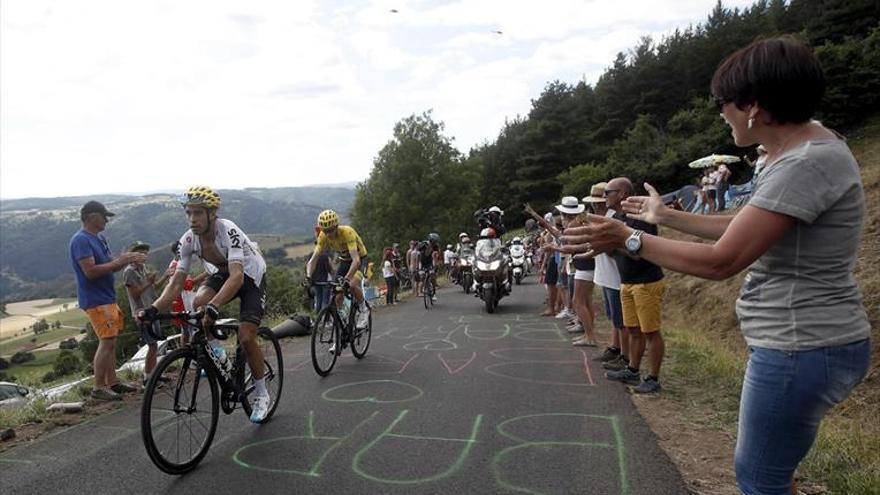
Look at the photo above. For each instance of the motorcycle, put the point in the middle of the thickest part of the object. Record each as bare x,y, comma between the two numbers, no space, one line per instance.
465,269
491,272
519,262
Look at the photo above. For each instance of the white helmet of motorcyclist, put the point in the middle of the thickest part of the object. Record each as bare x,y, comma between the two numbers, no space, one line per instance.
497,210
517,240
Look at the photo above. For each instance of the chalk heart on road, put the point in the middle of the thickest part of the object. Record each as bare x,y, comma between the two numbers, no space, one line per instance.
374,391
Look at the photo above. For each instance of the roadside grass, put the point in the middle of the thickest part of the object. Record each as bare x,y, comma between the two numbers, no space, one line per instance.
845,455
699,364
35,411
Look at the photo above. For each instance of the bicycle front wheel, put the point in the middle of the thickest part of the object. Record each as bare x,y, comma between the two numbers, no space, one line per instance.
179,412
426,294
326,341
361,341
273,372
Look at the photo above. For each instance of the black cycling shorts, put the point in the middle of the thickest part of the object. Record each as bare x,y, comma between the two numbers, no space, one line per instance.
251,296
345,264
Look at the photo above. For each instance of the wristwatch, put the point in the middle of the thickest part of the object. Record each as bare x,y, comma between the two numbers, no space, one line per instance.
633,243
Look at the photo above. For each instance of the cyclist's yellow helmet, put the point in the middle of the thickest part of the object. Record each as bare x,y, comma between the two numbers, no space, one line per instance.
328,219
201,196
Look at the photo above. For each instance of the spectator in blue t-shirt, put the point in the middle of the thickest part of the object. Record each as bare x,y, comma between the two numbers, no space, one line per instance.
93,264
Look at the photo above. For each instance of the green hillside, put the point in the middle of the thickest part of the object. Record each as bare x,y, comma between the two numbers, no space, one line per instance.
35,232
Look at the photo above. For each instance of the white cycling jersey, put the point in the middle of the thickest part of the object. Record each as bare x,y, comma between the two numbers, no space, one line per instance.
232,243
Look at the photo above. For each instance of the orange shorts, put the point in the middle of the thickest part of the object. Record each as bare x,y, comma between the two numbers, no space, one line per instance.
106,320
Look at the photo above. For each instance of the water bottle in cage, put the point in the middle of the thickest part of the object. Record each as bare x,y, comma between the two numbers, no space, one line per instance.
344,310
218,355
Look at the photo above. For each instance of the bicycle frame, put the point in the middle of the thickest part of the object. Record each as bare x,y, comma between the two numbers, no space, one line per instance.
231,384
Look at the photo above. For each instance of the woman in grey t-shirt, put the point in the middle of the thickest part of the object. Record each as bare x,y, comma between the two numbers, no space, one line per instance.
800,309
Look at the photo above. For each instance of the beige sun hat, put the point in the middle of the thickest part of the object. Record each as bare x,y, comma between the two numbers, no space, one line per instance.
597,193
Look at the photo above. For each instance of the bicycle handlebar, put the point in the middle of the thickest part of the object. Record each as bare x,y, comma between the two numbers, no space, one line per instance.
193,318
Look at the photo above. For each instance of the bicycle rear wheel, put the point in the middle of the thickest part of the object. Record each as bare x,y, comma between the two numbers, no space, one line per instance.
326,341
179,416
273,368
361,341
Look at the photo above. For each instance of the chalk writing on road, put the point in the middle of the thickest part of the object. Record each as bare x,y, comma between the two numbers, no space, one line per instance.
377,391
514,469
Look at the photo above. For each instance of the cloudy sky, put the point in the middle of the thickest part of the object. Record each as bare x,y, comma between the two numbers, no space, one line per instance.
131,96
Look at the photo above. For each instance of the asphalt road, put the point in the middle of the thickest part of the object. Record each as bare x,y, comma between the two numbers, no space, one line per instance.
447,400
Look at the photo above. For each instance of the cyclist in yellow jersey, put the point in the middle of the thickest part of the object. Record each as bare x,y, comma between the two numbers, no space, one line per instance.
352,257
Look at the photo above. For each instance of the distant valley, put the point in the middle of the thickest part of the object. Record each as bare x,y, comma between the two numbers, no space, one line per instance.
35,232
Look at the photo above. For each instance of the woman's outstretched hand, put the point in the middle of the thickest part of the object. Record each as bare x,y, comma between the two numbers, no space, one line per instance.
599,235
648,208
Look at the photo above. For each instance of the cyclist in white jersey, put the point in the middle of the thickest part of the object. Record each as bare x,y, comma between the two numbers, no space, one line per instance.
236,269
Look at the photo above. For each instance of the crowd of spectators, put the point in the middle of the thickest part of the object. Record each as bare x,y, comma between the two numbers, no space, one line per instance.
800,310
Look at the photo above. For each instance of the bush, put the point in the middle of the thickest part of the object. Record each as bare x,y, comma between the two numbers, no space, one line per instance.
4,364
22,357
70,343
4,377
67,363
49,377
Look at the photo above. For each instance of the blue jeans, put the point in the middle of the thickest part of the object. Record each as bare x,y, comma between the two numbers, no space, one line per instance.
785,395
613,308
322,296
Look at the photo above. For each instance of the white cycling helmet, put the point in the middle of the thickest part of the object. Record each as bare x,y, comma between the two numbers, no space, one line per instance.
517,239
449,246
463,234
496,210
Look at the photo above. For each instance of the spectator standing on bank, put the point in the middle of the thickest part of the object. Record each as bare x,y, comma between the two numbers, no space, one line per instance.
723,182
607,277
94,265
708,190
322,275
389,275
140,284
641,298
412,257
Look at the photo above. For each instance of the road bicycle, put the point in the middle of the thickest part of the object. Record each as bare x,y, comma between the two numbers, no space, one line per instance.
190,385
428,289
334,329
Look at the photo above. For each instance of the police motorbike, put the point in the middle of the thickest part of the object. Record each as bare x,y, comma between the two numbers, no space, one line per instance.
491,270
466,269
519,262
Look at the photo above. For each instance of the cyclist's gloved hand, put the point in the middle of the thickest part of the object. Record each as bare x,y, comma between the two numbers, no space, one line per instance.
149,314
211,315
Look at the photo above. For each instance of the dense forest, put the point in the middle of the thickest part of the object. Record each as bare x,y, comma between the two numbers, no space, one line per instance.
646,117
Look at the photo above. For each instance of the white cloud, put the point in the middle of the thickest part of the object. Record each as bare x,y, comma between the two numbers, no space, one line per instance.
118,96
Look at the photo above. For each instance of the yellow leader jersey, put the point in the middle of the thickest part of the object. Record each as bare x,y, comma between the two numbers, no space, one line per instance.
346,239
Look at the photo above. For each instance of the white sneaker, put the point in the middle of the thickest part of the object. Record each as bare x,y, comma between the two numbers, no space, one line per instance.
562,314
363,318
434,298
260,408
